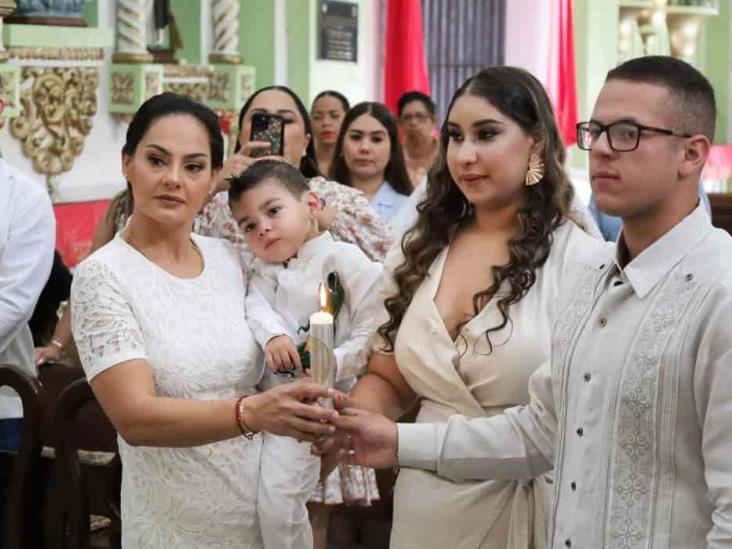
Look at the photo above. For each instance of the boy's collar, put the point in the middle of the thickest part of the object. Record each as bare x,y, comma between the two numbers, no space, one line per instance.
311,247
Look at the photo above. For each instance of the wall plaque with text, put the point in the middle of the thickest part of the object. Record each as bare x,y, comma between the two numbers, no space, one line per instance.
338,31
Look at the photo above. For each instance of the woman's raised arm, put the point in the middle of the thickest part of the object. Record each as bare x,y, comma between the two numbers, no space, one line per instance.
383,389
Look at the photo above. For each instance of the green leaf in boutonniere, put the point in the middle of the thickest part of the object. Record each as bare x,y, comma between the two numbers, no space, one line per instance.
336,294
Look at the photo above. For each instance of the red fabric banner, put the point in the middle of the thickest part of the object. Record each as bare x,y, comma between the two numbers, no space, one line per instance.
566,97
405,68
75,226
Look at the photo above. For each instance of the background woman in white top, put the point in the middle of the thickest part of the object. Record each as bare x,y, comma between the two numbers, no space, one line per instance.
329,108
471,300
159,321
368,156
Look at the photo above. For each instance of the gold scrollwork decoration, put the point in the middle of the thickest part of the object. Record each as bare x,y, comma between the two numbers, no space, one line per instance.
123,88
220,87
56,54
59,104
197,90
247,85
152,84
7,88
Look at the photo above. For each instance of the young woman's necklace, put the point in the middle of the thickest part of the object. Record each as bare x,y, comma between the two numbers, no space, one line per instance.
192,242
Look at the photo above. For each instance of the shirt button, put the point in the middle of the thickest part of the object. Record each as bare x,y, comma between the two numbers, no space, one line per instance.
587,377
573,486
568,543
580,431
603,322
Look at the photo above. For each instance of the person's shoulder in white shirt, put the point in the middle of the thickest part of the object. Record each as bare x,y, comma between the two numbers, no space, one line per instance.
27,240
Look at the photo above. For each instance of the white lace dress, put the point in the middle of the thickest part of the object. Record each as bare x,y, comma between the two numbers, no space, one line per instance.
194,335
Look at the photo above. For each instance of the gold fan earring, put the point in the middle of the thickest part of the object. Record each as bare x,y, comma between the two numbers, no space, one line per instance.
535,172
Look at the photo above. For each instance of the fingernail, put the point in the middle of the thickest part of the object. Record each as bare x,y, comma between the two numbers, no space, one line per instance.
331,429
351,452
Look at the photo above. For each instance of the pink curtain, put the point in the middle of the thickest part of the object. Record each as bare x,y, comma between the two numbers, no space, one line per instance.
405,68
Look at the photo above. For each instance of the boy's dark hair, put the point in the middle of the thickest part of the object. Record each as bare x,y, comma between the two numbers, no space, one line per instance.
415,95
692,96
285,173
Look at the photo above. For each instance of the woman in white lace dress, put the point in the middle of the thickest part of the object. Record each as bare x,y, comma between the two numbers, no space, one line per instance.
159,321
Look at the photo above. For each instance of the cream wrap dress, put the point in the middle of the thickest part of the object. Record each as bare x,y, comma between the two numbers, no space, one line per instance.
465,377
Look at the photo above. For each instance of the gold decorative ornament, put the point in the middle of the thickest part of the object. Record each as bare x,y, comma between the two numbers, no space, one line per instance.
152,84
247,85
56,54
190,80
196,90
8,83
535,172
220,87
123,88
187,71
59,104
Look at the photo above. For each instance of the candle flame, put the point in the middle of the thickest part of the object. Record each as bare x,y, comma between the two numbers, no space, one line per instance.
323,298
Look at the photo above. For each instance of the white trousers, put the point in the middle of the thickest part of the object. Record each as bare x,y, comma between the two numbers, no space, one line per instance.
288,476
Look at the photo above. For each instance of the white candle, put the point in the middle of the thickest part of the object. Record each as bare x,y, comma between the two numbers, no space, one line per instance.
322,361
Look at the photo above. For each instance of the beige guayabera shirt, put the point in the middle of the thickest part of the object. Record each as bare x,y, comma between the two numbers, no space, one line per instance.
635,410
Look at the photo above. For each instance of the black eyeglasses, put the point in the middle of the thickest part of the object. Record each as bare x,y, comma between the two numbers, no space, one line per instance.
416,116
622,136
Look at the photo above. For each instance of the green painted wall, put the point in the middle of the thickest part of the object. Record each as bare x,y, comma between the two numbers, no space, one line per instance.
596,47
91,13
256,38
188,17
60,37
298,46
715,56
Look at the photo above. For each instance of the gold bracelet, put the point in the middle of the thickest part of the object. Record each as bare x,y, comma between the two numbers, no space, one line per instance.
246,431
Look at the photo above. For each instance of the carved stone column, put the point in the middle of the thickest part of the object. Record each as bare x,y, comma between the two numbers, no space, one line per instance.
131,28
225,22
6,8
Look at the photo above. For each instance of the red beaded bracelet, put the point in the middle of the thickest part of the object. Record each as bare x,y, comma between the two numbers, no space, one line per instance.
243,427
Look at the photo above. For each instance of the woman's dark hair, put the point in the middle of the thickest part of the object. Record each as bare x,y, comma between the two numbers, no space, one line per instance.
308,163
170,103
338,95
396,171
445,210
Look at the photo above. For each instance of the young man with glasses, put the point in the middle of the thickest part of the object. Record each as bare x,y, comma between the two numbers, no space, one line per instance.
633,413
623,137
417,120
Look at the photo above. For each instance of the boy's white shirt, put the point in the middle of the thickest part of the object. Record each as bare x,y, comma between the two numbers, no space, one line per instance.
280,299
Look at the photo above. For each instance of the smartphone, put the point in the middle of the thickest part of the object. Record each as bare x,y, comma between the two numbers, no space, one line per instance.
269,128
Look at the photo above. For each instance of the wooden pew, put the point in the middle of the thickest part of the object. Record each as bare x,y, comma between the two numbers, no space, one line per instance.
19,511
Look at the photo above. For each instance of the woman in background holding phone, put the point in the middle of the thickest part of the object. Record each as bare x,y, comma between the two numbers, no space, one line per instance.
368,156
348,214
329,108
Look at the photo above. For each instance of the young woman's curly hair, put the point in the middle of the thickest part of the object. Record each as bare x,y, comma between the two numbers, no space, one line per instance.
445,210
